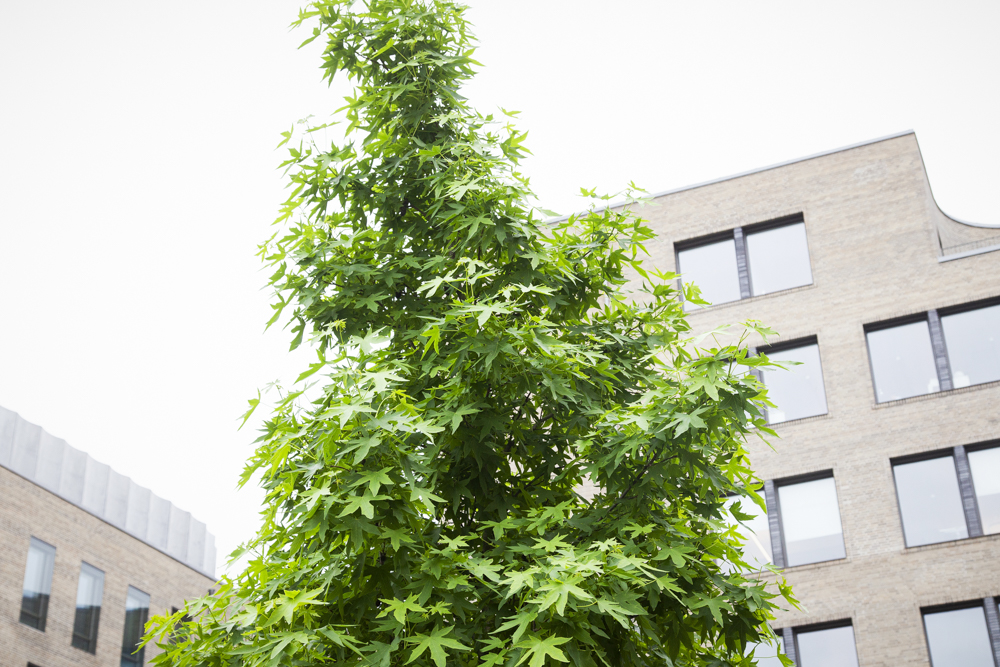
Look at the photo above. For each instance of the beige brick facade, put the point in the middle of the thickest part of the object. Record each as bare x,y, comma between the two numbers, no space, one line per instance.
875,239
27,511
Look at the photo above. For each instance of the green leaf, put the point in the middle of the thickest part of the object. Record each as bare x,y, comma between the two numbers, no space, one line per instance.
537,649
436,643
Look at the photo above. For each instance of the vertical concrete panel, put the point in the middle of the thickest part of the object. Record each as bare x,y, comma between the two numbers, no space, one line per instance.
159,522
208,567
24,456
95,488
116,507
196,544
8,422
50,459
180,528
74,475
137,518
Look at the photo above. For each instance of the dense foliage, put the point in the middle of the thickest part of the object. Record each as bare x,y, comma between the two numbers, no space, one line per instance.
480,367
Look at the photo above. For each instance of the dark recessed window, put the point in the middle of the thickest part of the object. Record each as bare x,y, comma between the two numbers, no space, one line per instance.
797,392
746,262
933,351
89,592
136,615
828,647
958,637
755,532
985,465
949,495
37,584
810,522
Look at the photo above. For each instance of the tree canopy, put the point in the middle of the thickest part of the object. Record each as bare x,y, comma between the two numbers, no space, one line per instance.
478,368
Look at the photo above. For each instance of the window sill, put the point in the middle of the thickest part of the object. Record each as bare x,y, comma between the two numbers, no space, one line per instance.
752,299
816,566
936,394
951,543
800,420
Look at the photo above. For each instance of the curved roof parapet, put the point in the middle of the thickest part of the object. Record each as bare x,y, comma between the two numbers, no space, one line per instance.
958,238
94,487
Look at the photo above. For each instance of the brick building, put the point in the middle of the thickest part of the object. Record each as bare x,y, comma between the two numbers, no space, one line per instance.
86,555
883,490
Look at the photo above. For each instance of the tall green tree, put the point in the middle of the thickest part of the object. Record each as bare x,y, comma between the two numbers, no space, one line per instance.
479,367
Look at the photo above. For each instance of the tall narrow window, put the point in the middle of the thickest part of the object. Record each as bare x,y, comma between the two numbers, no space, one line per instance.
778,259
958,637
985,466
830,647
930,503
712,268
902,361
756,535
136,615
797,392
973,344
89,592
37,584
810,522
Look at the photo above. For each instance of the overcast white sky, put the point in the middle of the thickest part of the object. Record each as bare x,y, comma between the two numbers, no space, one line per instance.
137,174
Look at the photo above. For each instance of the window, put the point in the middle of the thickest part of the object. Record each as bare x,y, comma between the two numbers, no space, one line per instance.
37,584
985,465
935,351
89,592
136,615
798,391
810,521
958,637
827,647
767,655
949,495
757,535
760,259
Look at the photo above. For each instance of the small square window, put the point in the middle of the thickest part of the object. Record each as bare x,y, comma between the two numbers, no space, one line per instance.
712,268
973,341
958,638
778,259
985,466
797,392
902,361
930,502
756,533
831,647
810,522
37,584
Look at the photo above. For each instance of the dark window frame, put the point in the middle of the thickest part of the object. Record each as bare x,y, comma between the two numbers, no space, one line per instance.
781,346
790,636
738,235
137,656
42,617
91,638
779,550
989,607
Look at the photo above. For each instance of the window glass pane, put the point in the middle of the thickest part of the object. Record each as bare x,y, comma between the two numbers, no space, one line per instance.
959,638
89,592
711,267
136,615
797,392
810,522
930,502
779,259
973,342
902,362
37,584
985,466
827,648
767,655
756,533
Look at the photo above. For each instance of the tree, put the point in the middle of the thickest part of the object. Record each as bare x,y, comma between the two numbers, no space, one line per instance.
480,365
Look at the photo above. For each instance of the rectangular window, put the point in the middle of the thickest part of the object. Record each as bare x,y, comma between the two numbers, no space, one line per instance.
136,615
766,655
798,391
958,637
89,592
756,534
930,502
972,339
810,522
759,259
902,361
985,466
828,647
37,584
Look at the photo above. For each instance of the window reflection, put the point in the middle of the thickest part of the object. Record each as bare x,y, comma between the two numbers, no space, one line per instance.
778,259
798,391
89,592
136,615
810,521
930,502
985,465
902,361
973,342
712,268
958,638
37,584
833,647
756,532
